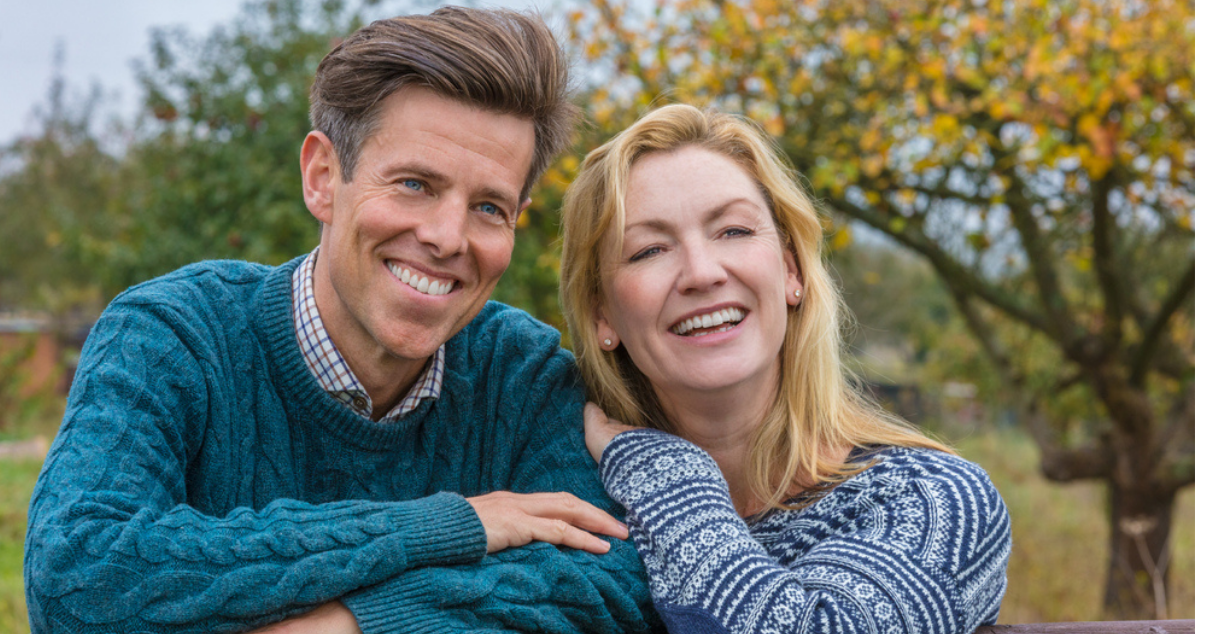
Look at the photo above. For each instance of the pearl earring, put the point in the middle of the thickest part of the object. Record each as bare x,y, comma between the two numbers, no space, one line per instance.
607,343
797,293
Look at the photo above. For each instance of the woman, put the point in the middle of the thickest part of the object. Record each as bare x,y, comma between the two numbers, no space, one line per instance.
763,492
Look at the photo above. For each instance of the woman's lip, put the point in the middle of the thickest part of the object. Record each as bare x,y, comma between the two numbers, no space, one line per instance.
732,314
708,311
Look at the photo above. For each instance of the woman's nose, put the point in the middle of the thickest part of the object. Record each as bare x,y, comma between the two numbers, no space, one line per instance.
702,269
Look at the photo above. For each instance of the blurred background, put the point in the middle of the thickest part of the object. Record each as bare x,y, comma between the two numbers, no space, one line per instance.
1008,187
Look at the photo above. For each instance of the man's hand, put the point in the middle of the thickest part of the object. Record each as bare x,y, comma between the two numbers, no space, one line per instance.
328,618
516,519
600,429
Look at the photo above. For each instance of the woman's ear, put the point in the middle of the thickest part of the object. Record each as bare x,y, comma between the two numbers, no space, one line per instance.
605,334
795,282
320,175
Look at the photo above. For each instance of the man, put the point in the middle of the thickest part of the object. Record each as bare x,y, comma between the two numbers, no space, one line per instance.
355,440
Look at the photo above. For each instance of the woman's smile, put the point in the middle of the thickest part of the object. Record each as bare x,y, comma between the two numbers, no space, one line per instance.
698,292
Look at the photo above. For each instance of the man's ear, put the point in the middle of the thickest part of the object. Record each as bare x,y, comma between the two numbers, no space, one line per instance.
320,175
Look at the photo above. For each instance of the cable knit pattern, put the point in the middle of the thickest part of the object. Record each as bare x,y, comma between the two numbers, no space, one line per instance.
202,481
916,543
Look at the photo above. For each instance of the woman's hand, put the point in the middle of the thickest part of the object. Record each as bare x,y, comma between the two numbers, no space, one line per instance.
600,429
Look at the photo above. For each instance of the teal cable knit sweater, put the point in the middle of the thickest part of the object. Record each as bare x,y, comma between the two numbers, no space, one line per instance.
203,482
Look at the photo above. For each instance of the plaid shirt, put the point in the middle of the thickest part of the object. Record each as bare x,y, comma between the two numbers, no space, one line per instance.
329,367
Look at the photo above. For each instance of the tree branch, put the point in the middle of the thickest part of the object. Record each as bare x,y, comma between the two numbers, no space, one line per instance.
943,191
988,340
1152,335
1087,462
1105,264
957,277
1050,292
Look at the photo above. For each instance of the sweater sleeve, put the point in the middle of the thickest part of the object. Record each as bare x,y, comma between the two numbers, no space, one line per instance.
114,544
906,554
538,587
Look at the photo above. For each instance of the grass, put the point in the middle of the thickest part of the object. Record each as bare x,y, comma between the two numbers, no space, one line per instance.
16,483
1057,568
1056,572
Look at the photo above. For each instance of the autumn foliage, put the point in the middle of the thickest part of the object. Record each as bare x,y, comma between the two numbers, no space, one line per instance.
1038,153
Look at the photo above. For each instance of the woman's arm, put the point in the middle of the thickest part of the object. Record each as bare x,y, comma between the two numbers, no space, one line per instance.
903,552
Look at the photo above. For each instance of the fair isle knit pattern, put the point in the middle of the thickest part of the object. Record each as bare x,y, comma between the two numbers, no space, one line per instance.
917,544
203,482
328,365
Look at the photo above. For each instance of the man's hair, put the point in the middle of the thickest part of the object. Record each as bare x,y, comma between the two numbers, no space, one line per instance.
816,405
499,60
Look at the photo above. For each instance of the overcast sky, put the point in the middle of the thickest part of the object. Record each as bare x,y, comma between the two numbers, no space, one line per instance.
100,39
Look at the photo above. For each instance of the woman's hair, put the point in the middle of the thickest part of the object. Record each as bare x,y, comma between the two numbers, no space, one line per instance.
496,59
817,405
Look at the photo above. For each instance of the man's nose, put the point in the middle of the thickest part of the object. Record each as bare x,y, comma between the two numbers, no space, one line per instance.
444,229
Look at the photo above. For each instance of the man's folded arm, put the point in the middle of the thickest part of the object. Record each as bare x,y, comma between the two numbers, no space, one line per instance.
113,544
538,587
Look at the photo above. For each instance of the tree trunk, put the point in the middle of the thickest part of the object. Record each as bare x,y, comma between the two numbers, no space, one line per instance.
1137,579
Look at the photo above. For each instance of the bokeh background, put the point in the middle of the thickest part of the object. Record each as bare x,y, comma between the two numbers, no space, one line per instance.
1008,187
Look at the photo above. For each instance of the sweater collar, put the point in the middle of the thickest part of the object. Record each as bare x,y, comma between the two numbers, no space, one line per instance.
300,392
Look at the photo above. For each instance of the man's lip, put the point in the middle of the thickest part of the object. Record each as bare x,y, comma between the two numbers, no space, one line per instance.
443,276
406,273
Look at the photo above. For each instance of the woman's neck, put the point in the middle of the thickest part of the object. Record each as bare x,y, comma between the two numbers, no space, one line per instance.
723,424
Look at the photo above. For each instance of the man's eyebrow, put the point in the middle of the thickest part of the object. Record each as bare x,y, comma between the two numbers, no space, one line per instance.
419,170
424,172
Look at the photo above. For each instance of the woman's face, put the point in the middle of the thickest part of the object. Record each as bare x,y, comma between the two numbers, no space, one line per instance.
700,290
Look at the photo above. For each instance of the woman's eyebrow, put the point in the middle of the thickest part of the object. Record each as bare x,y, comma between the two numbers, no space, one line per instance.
710,216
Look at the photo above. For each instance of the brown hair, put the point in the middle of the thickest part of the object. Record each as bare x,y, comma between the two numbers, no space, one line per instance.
817,407
499,60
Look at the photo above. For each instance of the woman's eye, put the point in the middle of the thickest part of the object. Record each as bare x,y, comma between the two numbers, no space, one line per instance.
644,253
733,232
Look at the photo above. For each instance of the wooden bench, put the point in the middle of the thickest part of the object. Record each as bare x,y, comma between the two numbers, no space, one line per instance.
1093,627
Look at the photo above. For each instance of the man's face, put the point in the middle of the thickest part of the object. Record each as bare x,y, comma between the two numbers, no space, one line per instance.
413,245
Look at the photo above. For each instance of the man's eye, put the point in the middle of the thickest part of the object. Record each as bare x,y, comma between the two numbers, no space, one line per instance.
491,209
411,183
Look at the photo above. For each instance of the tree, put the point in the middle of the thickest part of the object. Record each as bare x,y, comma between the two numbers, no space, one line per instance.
55,186
1037,153
213,169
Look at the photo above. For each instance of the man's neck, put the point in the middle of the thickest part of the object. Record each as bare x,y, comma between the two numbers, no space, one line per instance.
386,378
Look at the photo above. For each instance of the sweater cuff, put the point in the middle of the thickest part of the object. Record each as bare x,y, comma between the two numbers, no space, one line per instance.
443,529
398,605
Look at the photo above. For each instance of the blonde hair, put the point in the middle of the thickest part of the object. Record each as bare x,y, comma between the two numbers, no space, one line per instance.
817,405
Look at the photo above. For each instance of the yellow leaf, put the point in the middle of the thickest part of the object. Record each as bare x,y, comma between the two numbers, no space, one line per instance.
872,165
841,239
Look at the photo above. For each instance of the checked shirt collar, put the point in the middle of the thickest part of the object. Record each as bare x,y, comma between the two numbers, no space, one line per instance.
329,367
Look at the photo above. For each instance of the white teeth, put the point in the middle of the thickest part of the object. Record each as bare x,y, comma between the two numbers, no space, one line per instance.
419,282
711,320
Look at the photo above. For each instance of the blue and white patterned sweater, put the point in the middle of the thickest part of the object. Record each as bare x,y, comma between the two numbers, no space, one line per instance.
916,543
